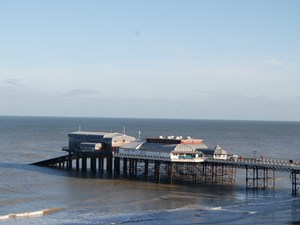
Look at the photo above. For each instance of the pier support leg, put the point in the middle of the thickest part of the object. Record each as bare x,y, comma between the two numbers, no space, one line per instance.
181,172
77,162
233,174
109,165
146,169
273,179
170,172
212,173
251,178
295,182
266,178
247,183
84,163
125,167
116,167
135,167
157,171
101,164
70,160
204,173
93,164
259,178
131,167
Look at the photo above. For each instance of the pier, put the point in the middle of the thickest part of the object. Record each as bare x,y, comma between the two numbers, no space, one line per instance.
173,160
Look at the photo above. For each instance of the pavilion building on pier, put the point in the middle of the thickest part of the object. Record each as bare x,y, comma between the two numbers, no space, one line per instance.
168,148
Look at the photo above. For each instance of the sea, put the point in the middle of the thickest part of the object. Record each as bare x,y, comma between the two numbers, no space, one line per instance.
39,195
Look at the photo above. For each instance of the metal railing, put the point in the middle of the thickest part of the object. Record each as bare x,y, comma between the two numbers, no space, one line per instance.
276,164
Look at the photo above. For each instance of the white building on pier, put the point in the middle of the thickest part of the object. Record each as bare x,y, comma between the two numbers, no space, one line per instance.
168,148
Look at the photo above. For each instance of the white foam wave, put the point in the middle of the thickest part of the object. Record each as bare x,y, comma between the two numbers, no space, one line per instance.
187,207
230,210
30,214
215,208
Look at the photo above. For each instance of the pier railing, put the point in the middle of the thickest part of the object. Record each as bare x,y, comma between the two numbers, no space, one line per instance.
275,164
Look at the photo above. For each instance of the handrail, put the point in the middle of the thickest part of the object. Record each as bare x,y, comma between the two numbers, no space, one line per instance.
280,165
259,161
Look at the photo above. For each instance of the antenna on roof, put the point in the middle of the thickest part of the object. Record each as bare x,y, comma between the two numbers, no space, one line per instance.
124,130
139,134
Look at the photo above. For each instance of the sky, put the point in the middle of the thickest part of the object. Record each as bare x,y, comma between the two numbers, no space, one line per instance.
196,59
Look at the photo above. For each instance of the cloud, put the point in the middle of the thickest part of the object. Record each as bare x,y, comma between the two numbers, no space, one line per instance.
280,64
75,93
13,82
276,62
199,105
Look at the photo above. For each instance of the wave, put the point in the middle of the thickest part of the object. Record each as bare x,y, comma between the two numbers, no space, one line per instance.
231,210
185,208
30,214
215,208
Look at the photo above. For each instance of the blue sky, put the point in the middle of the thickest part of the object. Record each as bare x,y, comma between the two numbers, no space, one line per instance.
163,59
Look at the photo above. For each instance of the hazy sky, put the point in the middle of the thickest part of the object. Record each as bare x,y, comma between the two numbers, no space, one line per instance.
169,59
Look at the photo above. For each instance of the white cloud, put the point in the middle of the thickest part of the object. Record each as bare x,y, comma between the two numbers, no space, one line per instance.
177,90
75,93
202,105
276,62
13,82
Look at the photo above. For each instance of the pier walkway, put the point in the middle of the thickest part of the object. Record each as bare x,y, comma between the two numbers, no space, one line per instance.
260,173
279,165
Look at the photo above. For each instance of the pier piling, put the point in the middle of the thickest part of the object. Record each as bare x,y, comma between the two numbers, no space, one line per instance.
295,182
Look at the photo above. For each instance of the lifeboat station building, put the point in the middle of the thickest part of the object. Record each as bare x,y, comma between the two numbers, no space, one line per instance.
88,141
168,148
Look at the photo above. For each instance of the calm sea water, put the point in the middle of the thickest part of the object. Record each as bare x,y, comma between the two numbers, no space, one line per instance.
35,195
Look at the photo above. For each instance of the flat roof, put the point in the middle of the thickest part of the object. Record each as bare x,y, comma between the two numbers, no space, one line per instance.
91,133
100,133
